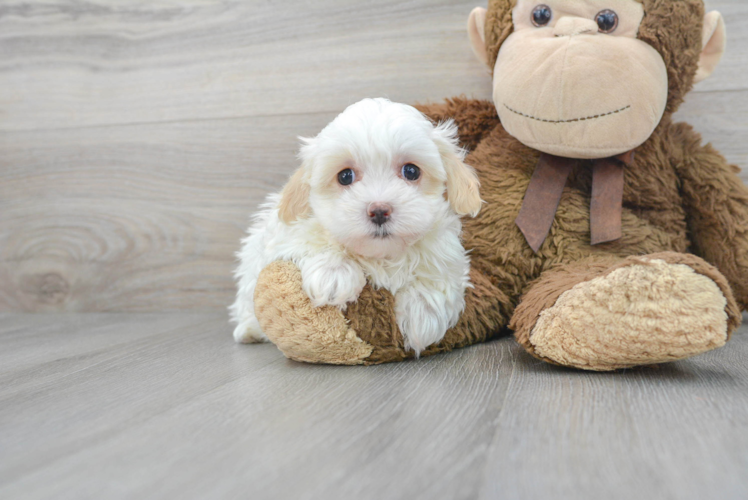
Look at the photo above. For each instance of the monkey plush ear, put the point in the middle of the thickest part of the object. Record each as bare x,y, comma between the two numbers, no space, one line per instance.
463,186
715,41
294,202
477,34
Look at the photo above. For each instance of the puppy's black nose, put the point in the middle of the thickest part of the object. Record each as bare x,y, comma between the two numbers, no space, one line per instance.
379,213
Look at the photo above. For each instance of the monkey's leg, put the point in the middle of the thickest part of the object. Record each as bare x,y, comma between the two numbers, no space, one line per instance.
606,313
367,332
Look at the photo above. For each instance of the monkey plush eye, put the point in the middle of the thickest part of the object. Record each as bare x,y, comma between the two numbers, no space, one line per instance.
541,15
346,177
411,172
607,21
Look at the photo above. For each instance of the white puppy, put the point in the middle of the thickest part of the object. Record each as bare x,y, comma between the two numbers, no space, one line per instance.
378,196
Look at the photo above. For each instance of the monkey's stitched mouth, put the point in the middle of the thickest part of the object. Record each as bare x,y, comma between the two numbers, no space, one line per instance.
567,121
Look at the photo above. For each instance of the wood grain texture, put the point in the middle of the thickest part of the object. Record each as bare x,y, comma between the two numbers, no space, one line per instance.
169,60
145,220
167,406
137,137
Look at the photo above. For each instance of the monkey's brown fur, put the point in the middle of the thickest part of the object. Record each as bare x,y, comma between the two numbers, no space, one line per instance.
683,204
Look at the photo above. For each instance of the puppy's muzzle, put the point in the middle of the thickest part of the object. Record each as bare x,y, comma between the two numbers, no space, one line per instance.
379,213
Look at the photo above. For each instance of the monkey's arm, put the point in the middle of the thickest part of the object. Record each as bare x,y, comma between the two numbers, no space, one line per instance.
716,201
474,118
367,333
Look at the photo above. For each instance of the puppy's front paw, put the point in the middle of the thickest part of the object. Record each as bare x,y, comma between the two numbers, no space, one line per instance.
248,331
331,280
422,317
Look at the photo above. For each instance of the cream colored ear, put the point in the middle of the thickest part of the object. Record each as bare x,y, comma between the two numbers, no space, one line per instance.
714,44
463,186
294,202
477,34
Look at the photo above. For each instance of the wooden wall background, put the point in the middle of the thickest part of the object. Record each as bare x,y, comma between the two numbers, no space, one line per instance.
137,136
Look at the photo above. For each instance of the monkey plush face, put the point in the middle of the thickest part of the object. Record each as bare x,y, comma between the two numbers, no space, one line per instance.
564,86
576,78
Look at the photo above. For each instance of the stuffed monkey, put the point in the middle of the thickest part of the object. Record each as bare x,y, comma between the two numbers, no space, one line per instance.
610,236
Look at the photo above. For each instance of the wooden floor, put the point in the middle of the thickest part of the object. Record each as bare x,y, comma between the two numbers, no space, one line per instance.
141,406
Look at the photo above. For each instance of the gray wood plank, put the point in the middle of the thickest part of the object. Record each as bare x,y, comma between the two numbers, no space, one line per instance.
147,218
185,413
165,60
675,431
138,137
181,396
121,376
55,345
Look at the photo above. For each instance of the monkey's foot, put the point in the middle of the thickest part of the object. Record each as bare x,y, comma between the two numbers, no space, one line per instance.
640,311
300,330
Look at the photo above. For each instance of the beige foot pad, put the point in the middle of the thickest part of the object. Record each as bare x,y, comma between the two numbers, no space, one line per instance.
640,314
301,331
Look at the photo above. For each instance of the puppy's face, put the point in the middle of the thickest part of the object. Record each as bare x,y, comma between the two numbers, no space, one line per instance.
377,177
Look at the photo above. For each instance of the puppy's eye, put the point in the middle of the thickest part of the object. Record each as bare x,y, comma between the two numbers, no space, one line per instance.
346,177
541,15
411,172
607,21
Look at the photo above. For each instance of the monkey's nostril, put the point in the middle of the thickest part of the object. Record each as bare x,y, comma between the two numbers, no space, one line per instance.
574,26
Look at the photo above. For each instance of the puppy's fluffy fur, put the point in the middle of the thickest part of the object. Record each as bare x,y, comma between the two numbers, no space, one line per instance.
328,230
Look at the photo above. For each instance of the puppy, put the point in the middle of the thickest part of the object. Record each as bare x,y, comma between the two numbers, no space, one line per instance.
378,197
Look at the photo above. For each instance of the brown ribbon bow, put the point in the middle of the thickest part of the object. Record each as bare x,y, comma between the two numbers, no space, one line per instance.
544,194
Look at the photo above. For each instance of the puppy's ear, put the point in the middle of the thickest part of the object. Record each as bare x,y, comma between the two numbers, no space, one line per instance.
294,202
463,186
